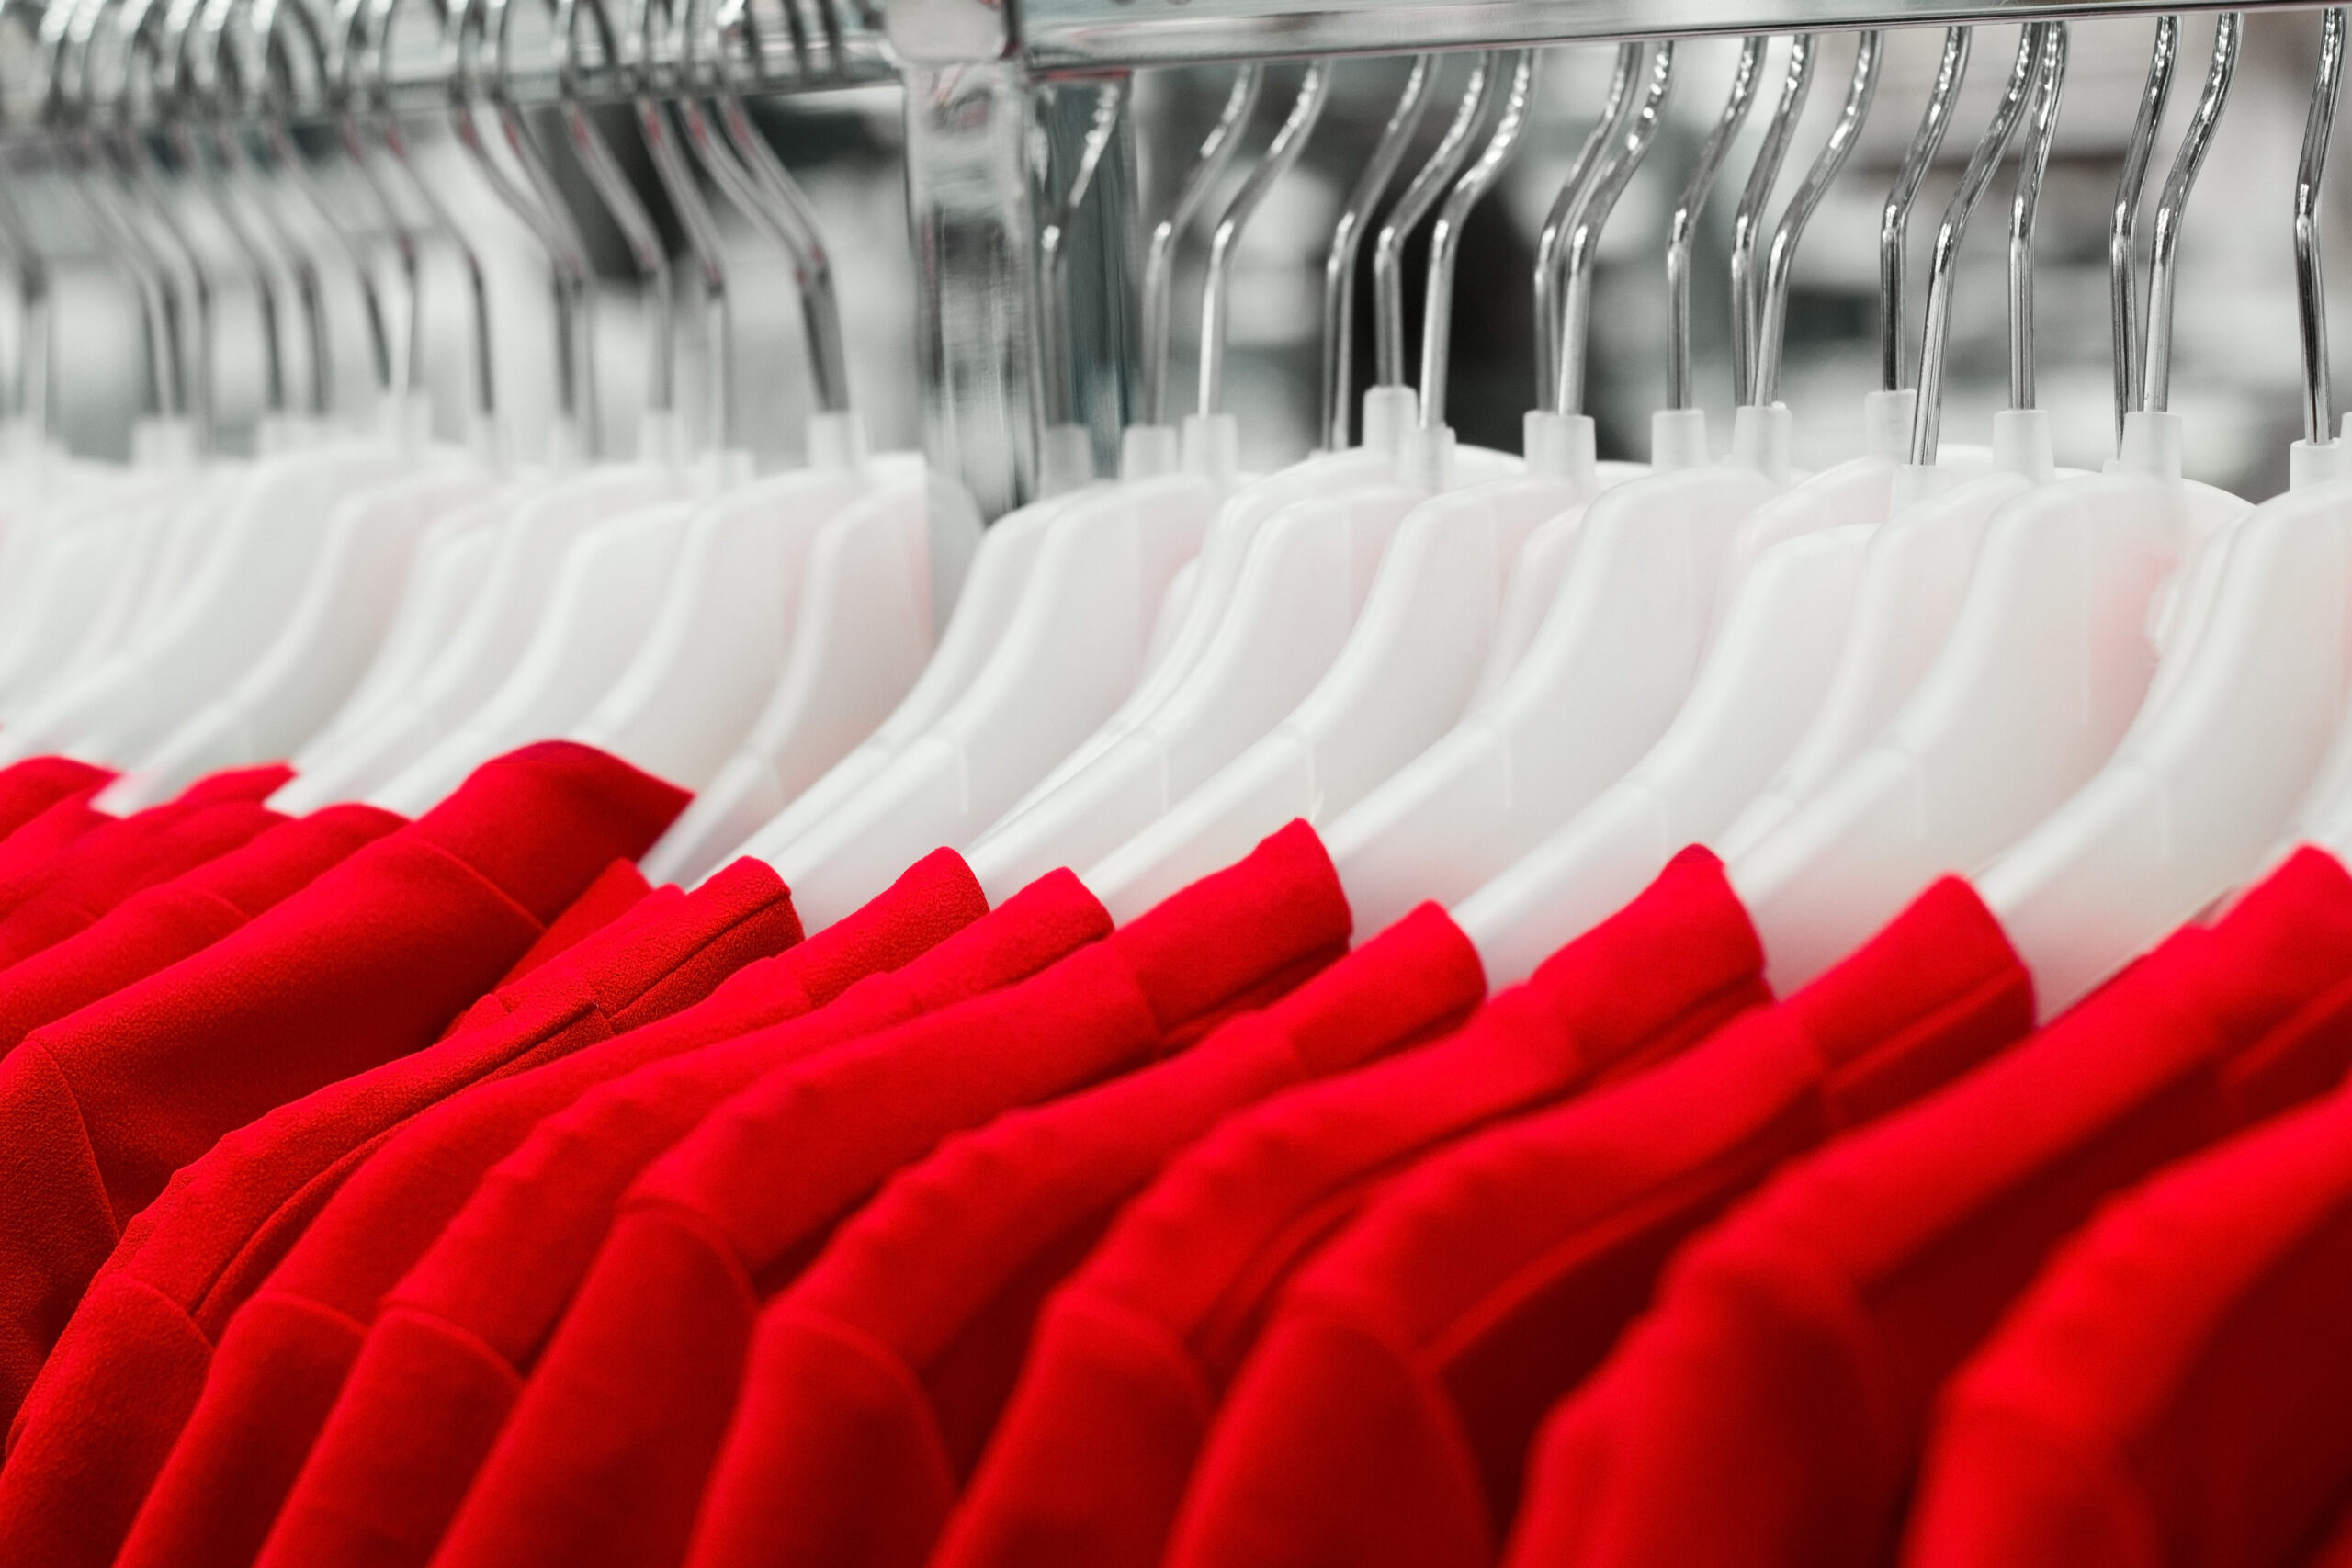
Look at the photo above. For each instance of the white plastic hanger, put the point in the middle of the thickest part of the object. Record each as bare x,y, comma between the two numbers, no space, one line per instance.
1298,591
2209,774
374,542
531,544
1405,670
1198,597
1613,659
613,581
1766,669
769,781
1072,650
2048,660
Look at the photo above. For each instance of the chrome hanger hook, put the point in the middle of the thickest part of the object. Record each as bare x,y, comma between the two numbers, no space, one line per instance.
1217,150
1347,244
1616,105
1057,394
1282,154
2026,205
1445,236
1895,222
1420,196
1591,216
1773,312
2310,296
758,183
1682,229
1927,416
1747,222
2155,389
2122,263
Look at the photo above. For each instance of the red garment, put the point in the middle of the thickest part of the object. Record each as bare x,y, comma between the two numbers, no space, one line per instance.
255,783
285,1352
620,889
27,855
440,1366
1131,1355
118,858
1771,1407
157,928
875,1379
364,965
32,786
1384,1418
2172,1389
605,1458
116,1390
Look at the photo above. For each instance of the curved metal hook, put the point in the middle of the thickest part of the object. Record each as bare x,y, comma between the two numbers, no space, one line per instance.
1445,236
1895,222
1683,229
1420,194
1217,150
2123,267
1282,154
62,45
757,181
694,217
1591,216
1773,313
268,98
2026,205
2310,297
1927,416
1747,223
1347,244
2163,253
1058,397
1615,106
372,21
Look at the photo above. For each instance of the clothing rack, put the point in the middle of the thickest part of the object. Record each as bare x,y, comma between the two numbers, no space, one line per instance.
979,72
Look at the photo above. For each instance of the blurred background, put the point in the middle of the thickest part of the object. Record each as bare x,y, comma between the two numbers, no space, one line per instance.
2235,372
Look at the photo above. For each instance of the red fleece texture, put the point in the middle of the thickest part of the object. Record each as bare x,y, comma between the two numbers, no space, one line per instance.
1771,1407
603,1461
438,1372
155,928
2173,1388
32,786
1383,1419
81,1457
1100,1434
112,861
620,889
255,783
285,1353
875,1380
362,966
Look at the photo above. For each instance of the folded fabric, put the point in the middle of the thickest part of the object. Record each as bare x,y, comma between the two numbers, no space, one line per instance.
620,889
112,861
283,1357
605,1457
1130,1357
257,782
1770,1409
103,1414
158,927
32,786
2173,1388
366,964
874,1381
1385,1416
438,1370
